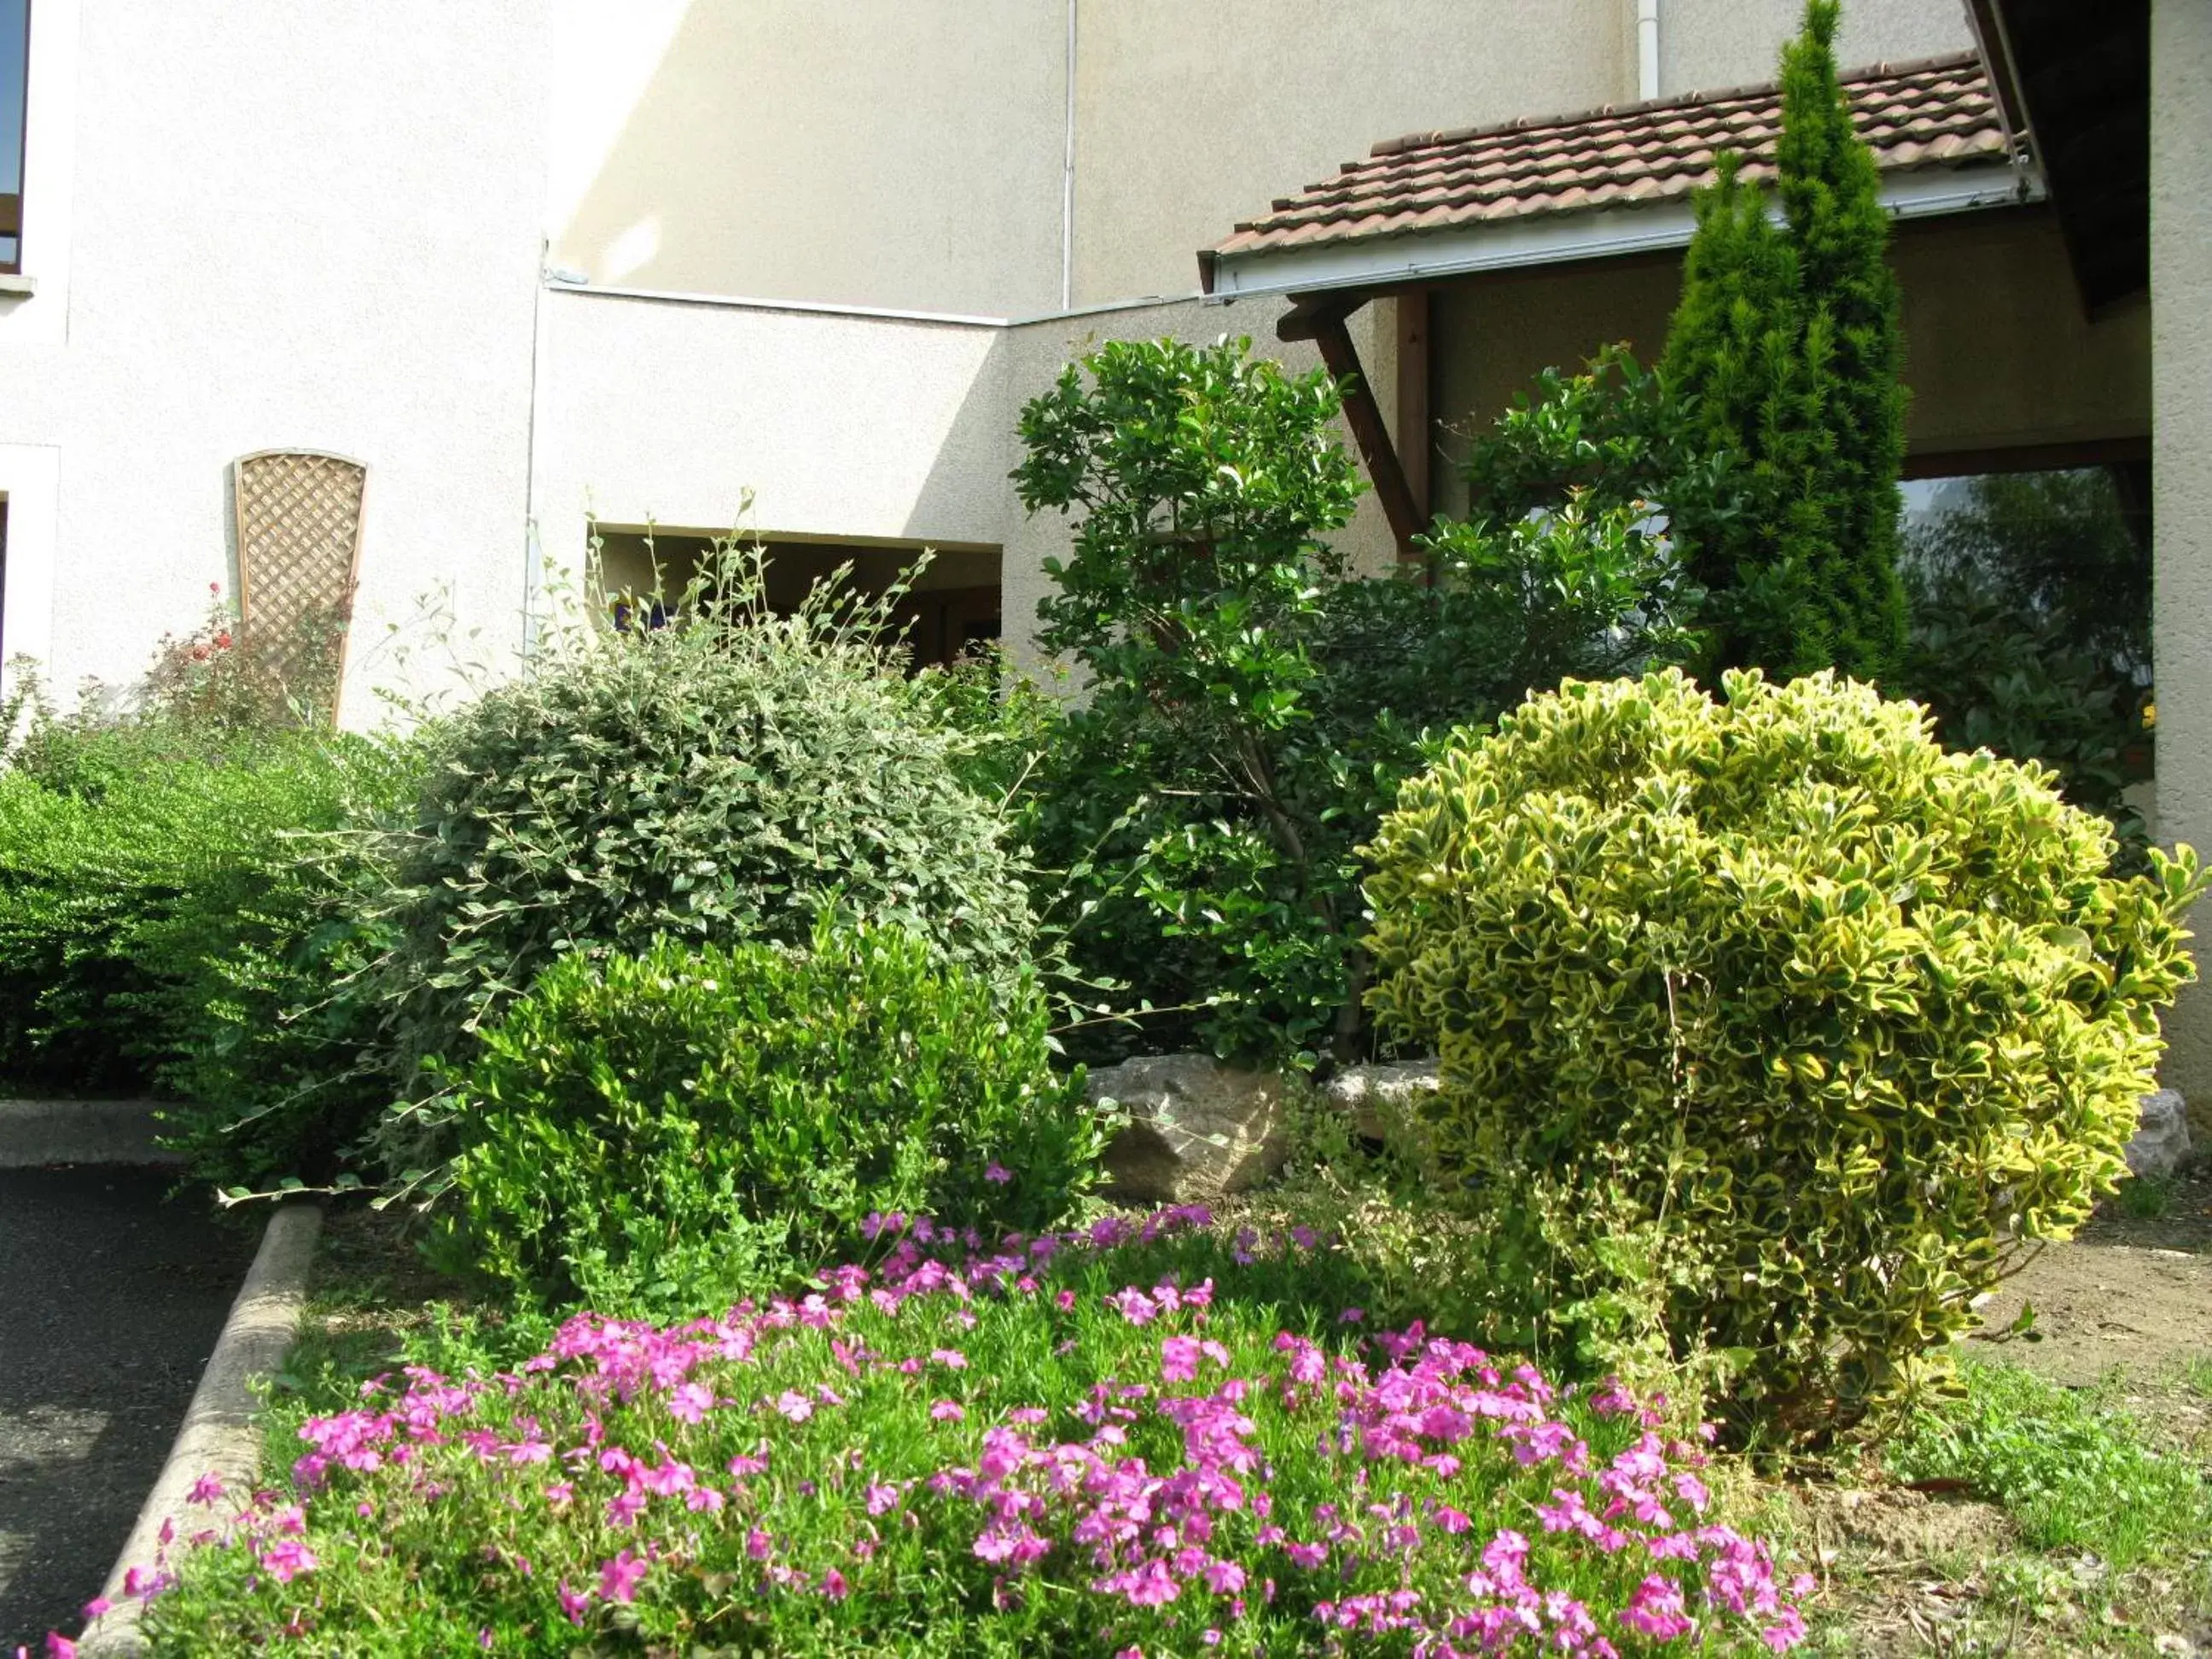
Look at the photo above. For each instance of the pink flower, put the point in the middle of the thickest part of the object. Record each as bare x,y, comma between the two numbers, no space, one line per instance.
947,1411
1178,1358
833,1584
1149,1584
287,1558
1784,1633
997,1174
1656,1609
205,1489
1133,1305
690,1402
619,1578
795,1406
1225,1578
58,1646
573,1604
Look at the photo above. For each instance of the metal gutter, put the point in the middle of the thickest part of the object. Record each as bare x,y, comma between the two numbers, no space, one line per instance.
815,307
1559,239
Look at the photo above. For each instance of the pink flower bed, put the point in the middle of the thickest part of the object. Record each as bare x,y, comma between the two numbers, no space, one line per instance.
1130,1441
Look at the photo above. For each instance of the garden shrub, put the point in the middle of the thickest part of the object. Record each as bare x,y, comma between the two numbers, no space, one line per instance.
1121,1442
1769,1014
154,886
1252,704
668,1129
2030,630
716,780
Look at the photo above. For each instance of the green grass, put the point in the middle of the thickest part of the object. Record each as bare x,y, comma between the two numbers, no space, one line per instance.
2072,1467
2146,1198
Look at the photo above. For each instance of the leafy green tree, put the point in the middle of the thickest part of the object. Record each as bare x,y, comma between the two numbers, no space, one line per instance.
1204,483
1786,350
1252,706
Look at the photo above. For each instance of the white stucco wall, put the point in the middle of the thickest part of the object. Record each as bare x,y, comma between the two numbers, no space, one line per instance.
909,154
839,427
1190,118
1708,44
899,153
286,226
2181,477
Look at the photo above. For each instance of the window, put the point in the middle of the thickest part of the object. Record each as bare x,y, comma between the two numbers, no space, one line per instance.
949,610
14,61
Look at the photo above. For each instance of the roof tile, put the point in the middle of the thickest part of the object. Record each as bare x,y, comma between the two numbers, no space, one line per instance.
1935,112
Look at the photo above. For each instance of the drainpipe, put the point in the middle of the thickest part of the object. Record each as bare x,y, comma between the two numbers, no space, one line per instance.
1067,176
1647,50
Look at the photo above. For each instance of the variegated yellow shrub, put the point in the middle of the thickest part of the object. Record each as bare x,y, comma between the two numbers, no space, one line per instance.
1767,1019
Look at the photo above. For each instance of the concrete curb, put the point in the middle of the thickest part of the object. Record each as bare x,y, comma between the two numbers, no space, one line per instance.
219,1436
36,1132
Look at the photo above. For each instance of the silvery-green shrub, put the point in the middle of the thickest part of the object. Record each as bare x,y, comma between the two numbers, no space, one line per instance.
718,779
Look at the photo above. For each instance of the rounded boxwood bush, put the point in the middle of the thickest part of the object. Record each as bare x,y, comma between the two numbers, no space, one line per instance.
669,1129
1766,1019
717,779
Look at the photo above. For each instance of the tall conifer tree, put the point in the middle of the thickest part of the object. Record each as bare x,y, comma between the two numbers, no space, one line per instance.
1786,353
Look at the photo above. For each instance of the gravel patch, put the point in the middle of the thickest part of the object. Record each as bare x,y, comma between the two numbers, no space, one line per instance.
110,1301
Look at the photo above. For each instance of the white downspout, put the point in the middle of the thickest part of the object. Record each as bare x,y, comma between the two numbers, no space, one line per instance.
1067,178
1647,50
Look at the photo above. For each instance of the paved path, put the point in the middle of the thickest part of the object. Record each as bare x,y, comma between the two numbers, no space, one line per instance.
110,1301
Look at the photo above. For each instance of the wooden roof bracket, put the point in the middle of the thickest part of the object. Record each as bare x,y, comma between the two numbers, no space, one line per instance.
1320,317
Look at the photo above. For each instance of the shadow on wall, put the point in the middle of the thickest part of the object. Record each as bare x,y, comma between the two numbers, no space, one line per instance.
716,151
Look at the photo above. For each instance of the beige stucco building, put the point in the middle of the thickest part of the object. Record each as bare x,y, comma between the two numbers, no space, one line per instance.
543,263
544,266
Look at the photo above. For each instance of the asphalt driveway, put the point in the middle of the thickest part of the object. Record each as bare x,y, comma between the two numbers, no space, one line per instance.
110,1300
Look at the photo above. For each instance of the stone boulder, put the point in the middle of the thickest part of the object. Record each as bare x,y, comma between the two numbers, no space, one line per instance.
2161,1135
1375,1097
1197,1128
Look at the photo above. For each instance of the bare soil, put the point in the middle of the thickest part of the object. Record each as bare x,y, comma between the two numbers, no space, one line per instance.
2132,1294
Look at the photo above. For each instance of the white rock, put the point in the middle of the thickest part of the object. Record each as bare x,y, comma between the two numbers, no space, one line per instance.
2162,1135
1380,1097
1197,1128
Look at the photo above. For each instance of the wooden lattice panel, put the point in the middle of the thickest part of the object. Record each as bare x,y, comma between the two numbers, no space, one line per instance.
299,550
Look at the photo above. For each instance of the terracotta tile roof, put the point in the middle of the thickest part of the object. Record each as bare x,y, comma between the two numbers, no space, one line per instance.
1933,112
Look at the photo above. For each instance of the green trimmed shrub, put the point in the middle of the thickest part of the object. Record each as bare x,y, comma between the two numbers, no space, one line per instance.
156,899
670,1129
716,781
1767,1019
